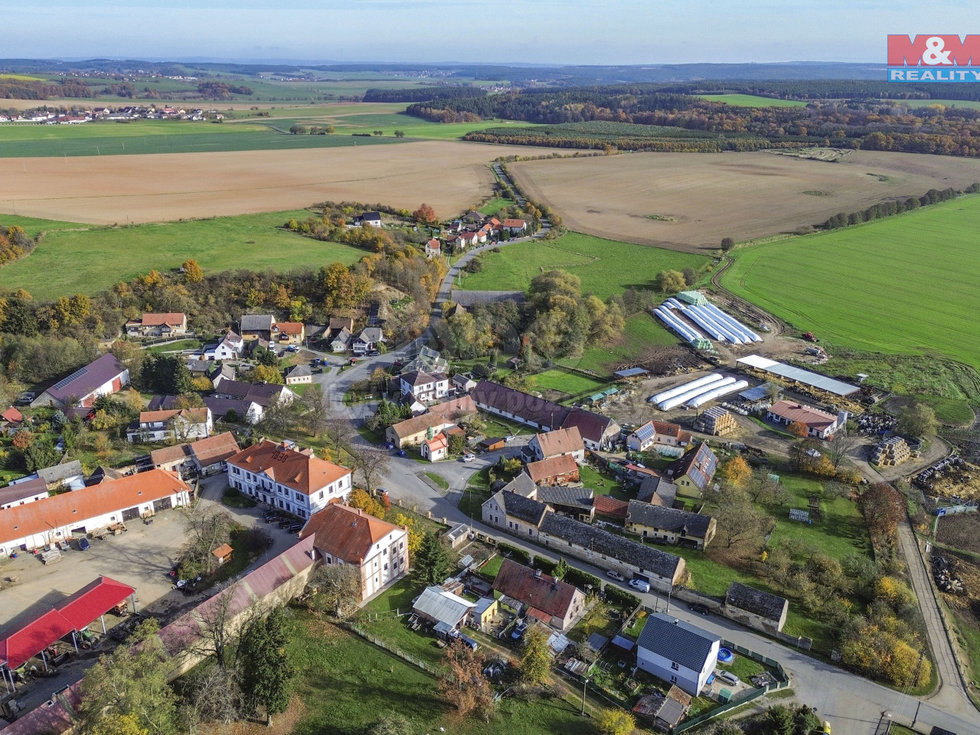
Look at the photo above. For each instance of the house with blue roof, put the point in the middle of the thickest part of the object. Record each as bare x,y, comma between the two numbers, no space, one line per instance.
677,652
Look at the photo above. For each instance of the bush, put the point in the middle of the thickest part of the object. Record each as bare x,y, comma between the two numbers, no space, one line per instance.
621,597
545,565
582,579
512,552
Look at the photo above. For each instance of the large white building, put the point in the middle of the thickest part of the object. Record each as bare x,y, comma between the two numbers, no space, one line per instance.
294,481
345,535
79,512
677,652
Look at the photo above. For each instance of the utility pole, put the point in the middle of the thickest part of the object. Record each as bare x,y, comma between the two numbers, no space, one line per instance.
585,683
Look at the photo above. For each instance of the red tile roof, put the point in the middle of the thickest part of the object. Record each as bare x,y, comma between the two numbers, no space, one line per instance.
192,415
12,415
792,411
514,223
80,505
439,441
542,592
560,441
290,327
171,319
214,449
288,467
607,505
545,469
665,428
346,533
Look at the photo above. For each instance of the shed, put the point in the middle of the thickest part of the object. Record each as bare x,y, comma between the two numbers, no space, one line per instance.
756,608
222,553
483,612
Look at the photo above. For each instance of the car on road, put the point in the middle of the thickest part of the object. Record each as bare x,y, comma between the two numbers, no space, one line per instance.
468,457
613,574
697,607
372,353
509,438
639,584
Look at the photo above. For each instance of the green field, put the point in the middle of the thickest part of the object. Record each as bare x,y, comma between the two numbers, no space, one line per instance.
751,100
906,284
102,256
565,382
245,134
606,267
642,332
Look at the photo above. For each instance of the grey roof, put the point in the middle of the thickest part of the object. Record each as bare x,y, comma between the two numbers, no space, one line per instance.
257,322
597,641
522,485
611,545
630,372
526,509
755,601
371,334
799,375
221,406
624,642
671,711
86,379
677,641
264,394
61,472
21,490
442,606
668,519
299,371
483,604
755,394
651,485
573,496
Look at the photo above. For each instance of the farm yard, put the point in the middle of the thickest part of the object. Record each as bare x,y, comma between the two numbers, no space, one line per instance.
906,284
448,175
690,201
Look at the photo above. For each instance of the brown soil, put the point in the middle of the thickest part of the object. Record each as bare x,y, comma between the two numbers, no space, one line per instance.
282,724
448,175
704,197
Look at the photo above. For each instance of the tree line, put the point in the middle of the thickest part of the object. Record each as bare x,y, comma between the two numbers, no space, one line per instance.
422,94
894,206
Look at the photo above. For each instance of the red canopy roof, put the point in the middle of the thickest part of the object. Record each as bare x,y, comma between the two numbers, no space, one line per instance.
75,613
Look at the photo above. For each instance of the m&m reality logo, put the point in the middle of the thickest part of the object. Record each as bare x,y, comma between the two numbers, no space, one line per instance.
934,58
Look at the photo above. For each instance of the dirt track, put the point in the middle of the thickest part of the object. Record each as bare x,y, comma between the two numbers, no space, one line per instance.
700,198
448,175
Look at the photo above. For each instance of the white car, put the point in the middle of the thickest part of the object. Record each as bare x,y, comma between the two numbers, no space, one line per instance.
613,574
639,584
469,457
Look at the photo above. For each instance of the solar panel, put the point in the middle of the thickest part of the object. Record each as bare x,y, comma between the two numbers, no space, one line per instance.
70,379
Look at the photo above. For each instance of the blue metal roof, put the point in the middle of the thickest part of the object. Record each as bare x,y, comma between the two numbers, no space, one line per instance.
630,372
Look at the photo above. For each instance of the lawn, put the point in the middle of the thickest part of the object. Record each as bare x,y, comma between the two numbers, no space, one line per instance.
495,205
751,100
438,479
179,345
89,259
606,267
905,284
566,382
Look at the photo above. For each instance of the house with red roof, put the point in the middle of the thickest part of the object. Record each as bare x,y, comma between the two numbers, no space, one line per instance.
100,377
345,535
514,226
435,448
559,470
289,333
553,602
297,482
170,324
558,442
433,248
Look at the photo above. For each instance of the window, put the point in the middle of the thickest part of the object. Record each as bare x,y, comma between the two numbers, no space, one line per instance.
675,666
530,532
673,679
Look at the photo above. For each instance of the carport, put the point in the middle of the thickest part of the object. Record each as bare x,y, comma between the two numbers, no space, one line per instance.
89,604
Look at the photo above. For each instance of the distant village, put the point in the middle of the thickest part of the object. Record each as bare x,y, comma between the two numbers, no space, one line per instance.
48,116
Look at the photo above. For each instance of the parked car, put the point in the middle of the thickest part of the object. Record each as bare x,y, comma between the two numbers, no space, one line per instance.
640,584
729,678
83,544
468,457
613,574
697,607
518,631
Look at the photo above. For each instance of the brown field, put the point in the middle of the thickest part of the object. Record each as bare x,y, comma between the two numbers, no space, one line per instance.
448,175
700,198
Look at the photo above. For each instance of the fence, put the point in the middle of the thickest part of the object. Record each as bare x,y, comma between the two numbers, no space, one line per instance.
389,648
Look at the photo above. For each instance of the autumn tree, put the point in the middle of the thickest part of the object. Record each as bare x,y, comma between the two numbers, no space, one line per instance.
883,508
916,420
798,429
425,215
535,663
130,683
192,271
462,683
669,281
736,471
267,374
415,536
615,722
740,523
361,499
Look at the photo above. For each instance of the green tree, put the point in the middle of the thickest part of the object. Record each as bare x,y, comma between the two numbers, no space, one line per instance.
265,356
433,562
119,724
615,722
917,419
535,663
561,569
132,681
670,281
265,669
457,443
41,454
727,244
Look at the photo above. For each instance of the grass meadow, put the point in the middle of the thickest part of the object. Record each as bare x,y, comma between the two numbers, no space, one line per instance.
606,267
902,285
97,257
751,100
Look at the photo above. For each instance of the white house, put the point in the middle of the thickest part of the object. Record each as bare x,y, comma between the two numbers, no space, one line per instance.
659,434
436,448
345,535
229,348
423,386
60,517
175,425
23,491
296,482
677,652
299,375
158,325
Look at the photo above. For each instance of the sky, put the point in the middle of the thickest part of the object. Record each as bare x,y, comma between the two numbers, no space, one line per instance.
503,31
